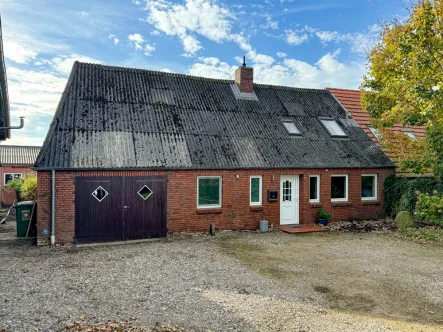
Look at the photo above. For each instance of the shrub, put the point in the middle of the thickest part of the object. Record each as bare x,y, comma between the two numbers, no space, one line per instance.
404,220
401,193
430,207
16,185
29,187
322,214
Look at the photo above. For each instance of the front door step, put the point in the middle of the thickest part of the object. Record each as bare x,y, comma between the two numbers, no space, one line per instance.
300,229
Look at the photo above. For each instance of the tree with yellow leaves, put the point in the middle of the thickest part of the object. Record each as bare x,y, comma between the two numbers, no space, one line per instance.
405,82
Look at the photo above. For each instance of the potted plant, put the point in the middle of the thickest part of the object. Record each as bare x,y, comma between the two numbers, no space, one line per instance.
322,217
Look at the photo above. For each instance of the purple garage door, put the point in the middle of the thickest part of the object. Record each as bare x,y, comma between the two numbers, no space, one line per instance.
119,208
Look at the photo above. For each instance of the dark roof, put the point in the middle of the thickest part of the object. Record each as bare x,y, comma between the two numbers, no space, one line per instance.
112,118
18,155
4,101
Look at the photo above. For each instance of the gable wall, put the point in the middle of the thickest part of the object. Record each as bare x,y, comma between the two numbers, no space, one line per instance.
235,213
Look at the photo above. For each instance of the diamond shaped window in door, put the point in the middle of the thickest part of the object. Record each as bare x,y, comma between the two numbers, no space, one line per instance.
145,192
100,194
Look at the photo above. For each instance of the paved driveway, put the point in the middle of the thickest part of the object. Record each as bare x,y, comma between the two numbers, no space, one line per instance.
233,281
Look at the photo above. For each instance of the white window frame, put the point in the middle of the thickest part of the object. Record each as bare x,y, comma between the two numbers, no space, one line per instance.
260,178
317,200
323,123
346,188
297,133
4,177
375,132
211,206
375,188
409,133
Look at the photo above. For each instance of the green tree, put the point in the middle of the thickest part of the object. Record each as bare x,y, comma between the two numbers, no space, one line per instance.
405,81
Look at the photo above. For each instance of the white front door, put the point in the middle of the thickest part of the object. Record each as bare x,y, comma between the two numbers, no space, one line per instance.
289,200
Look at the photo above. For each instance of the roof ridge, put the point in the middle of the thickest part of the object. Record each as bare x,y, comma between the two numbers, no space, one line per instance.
20,146
173,74
353,90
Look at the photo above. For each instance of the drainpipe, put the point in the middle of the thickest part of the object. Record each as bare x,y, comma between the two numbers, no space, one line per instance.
22,124
52,207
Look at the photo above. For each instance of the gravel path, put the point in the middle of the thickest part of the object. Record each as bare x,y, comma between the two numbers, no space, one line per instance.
192,282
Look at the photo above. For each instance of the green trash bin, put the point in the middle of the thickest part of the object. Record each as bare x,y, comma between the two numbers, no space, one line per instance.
23,211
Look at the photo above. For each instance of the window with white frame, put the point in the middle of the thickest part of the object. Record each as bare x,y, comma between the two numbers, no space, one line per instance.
339,188
255,190
375,132
10,176
332,127
409,133
369,186
314,188
291,128
209,191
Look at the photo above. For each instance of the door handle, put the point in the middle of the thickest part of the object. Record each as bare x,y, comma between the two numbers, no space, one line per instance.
126,207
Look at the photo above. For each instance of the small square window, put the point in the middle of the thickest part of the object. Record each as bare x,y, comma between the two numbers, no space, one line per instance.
100,194
209,191
290,127
409,133
339,188
369,187
314,188
145,192
333,127
256,190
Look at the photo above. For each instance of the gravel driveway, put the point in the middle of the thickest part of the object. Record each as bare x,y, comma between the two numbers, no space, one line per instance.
233,281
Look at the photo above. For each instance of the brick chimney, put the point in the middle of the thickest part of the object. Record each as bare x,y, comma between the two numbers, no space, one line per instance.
244,78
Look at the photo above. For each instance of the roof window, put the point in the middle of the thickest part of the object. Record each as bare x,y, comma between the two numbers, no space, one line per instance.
409,133
332,127
290,127
375,132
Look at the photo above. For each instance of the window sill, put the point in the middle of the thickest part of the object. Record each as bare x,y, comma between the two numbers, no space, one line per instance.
209,211
315,204
373,202
256,208
340,203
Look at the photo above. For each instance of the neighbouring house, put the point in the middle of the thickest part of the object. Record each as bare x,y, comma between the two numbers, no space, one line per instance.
351,101
137,153
4,101
15,161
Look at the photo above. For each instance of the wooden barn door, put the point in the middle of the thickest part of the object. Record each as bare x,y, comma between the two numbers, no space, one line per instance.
144,207
119,208
98,210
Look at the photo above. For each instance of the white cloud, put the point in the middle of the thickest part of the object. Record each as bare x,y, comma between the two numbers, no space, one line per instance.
212,67
136,2
282,54
83,14
116,40
202,17
63,64
295,38
326,72
328,36
270,23
148,50
17,53
136,40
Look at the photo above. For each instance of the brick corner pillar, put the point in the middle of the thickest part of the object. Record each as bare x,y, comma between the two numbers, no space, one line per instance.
43,208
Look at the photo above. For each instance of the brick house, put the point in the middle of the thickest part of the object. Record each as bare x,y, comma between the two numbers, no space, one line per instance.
15,161
351,101
136,153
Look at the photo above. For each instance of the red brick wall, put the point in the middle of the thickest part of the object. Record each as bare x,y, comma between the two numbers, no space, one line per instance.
7,195
235,213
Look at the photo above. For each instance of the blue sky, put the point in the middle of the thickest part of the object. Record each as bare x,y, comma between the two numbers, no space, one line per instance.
304,43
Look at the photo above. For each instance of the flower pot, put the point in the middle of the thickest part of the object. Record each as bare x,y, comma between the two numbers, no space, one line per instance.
323,222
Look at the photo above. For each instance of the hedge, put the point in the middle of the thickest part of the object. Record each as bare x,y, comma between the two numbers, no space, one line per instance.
401,193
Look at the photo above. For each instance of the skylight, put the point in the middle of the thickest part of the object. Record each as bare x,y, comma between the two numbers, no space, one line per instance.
290,127
333,128
409,133
375,132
